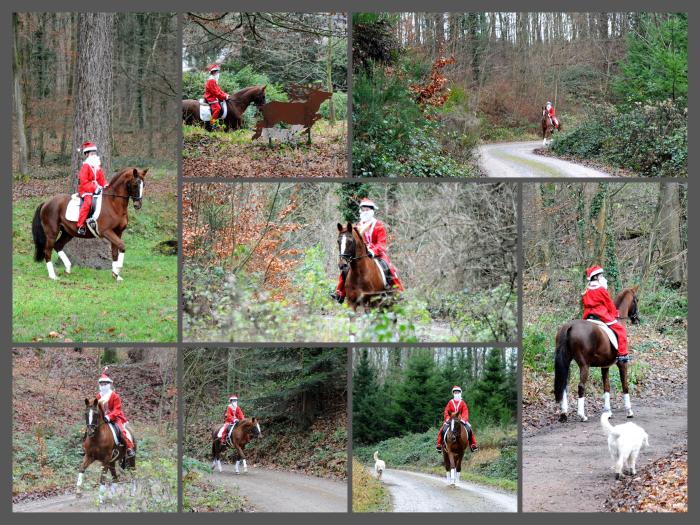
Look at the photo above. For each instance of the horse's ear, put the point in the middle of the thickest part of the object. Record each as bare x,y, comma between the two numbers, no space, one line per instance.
94,403
87,402
264,87
349,226
254,420
340,227
635,288
136,172
143,173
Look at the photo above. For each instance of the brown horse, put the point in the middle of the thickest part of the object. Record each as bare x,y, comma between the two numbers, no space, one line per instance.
547,126
51,230
587,344
98,445
364,285
300,113
456,442
236,105
245,430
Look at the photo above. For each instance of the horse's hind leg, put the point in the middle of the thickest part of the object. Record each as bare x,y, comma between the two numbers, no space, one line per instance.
605,373
625,388
51,234
583,377
62,240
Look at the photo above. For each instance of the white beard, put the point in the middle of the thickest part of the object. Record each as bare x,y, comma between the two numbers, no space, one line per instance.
234,406
94,162
603,282
216,77
105,390
458,397
366,216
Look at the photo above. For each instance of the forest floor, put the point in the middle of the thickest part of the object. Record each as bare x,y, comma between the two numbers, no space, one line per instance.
234,155
419,492
88,305
519,159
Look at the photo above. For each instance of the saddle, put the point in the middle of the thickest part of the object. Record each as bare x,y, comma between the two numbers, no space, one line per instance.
612,336
117,434
446,428
205,109
386,272
76,202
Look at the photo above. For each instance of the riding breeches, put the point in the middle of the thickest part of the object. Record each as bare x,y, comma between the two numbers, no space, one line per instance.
621,333
125,433
215,110
470,434
85,209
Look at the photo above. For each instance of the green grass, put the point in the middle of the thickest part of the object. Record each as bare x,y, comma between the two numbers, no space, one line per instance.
199,495
368,493
88,305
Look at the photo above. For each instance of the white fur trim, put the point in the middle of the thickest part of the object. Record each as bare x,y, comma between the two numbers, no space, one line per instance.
89,149
595,273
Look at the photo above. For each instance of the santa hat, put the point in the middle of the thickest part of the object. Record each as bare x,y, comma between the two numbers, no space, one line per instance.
88,146
456,389
593,271
233,397
104,378
367,202
213,68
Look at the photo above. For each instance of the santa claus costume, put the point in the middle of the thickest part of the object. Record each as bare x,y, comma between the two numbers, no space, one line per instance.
91,179
597,304
552,114
112,407
234,414
456,404
374,235
213,93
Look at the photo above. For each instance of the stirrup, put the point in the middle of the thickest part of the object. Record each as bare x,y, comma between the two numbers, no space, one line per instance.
130,453
336,297
624,358
82,230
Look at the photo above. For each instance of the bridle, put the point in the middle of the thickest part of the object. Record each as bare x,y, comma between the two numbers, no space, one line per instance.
128,195
349,255
92,424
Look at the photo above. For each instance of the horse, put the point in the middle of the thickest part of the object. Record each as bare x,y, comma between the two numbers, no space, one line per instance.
587,344
456,442
245,430
99,445
364,285
236,105
299,113
547,126
51,230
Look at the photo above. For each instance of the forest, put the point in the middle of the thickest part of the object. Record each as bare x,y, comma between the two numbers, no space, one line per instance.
47,442
262,259
431,89
278,51
111,79
297,394
399,396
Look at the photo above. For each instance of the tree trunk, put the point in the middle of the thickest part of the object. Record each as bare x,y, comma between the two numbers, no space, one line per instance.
19,107
92,116
329,71
670,233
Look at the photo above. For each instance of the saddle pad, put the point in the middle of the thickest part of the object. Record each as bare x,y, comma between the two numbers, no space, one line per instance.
115,433
608,331
220,432
73,208
381,271
205,110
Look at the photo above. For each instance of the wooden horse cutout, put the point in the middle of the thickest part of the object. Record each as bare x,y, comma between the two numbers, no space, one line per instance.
293,113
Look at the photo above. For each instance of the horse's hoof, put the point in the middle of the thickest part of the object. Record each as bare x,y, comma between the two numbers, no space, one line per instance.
117,277
630,414
78,494
583,418
562,418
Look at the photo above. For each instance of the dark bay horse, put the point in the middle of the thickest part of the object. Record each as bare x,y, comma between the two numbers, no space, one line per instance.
547,126
301,113
456,442
586,343
364,285
51,230
236,106
245,430
98,445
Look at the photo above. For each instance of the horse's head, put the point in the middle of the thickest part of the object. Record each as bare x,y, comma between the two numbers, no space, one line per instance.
134,186
347,246
627,304
93,417
258,96
255,429
317,97
633,312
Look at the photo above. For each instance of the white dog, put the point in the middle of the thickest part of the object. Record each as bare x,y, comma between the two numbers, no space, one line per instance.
379,465
624,443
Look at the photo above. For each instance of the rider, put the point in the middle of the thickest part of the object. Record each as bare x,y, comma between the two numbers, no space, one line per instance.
234,414
91,179
374,234
598,304
112,407
213,93
457,404
549,108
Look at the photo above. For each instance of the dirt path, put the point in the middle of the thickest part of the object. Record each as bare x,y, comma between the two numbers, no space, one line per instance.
567,468
277,491
418,492
517,159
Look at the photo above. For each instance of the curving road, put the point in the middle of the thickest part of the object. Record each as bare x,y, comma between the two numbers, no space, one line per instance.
278,491
517,159
418,492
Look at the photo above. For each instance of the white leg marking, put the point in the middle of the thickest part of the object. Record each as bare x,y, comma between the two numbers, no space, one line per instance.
628,404
453,475
52,273
218,464
581,408
245,466
565,402
606,401
237,469
80,479
66,260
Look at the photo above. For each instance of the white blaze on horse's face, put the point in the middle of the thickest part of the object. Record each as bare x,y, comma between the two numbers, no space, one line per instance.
343,242
140,189
90,417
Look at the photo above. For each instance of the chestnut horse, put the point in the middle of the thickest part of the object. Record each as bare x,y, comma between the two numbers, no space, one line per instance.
51,230
245,430
98,445
456,442
236,106
547,126
364,285
587,344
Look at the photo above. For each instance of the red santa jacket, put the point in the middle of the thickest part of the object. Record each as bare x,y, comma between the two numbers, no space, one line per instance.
232,415
552,113
113,408
597,302
89,179
459,406
213,92
375,238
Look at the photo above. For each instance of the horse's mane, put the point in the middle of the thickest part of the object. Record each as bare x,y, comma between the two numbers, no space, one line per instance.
116,178
244,91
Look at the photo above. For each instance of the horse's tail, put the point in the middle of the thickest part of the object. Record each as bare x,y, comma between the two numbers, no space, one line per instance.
38,235
561,363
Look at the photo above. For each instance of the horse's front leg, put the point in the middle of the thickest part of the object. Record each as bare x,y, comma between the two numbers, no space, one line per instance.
114,480
103,487
583,377
241,455
118,250
605,373
625,388
87,461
